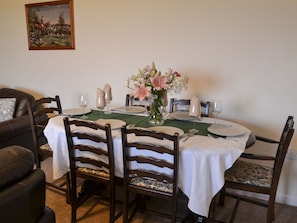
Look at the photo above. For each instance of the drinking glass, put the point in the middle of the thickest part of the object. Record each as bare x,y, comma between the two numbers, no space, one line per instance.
83,102
100,104
108,101
217,108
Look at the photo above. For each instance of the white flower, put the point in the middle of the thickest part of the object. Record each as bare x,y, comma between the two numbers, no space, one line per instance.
156,81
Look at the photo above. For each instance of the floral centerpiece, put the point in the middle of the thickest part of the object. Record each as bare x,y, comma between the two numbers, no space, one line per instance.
150,84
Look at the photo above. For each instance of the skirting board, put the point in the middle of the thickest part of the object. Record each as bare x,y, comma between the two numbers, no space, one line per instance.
280,198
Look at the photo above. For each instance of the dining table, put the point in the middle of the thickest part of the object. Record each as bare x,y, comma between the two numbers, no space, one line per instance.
204,155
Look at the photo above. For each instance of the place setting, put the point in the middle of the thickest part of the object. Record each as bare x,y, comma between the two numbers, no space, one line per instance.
225,130
222,129
130,109
83,111
194,113
114,123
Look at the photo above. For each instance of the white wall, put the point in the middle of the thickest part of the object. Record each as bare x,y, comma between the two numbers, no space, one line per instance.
242,51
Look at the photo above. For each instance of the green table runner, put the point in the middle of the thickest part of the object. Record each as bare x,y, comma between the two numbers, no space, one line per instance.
142,121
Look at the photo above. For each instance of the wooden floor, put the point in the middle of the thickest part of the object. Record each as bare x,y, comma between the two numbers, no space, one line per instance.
93,211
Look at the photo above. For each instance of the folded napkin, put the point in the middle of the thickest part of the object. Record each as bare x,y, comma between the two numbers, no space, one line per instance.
107,90
195,110
100,100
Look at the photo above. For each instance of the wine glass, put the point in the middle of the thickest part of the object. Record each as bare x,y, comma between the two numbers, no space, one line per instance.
83,102
108,100
100,104
164,100
217,108
195,108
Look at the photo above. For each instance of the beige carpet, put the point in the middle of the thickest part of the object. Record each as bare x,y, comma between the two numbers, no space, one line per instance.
93,211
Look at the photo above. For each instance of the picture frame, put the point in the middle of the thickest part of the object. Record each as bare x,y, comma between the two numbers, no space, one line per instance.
50,25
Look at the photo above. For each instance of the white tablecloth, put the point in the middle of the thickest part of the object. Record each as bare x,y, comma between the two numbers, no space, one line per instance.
203,161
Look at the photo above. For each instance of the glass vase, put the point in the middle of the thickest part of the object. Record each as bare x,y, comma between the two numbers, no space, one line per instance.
155,113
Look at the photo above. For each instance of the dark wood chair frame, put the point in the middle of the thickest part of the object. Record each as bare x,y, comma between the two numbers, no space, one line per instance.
183,102
131,101
277,160
40,111
107,163
130,172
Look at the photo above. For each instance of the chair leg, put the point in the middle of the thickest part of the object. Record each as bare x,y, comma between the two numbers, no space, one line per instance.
222,195
126,206
68,188
141,202
211,212
73,214
235,210
270,211
112,206
173,213
190,218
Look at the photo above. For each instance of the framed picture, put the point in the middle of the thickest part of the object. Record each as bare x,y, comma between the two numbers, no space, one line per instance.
50,25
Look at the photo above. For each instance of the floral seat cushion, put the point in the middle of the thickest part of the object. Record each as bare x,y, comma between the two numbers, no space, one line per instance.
100,173
249,173
46,147
152,184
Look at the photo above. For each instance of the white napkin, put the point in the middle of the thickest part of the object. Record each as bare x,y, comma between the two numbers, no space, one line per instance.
107,90
195,110
100,100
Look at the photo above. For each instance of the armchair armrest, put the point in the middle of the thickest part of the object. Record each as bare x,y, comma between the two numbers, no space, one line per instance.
264,139
14,127
256,157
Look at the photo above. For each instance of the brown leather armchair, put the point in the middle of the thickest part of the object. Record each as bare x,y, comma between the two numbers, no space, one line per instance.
16,131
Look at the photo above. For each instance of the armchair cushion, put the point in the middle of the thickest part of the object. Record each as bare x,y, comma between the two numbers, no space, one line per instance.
16,163
7,106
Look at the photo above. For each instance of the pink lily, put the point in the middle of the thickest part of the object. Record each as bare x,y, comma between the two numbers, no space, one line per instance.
159,82
141,92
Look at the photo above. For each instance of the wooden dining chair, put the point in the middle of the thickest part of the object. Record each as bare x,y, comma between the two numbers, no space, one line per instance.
91,158
144,153
258,177
132,101
40,111
183,105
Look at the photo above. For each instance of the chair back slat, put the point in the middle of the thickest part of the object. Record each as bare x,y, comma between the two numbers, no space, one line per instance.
132,101
183,105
